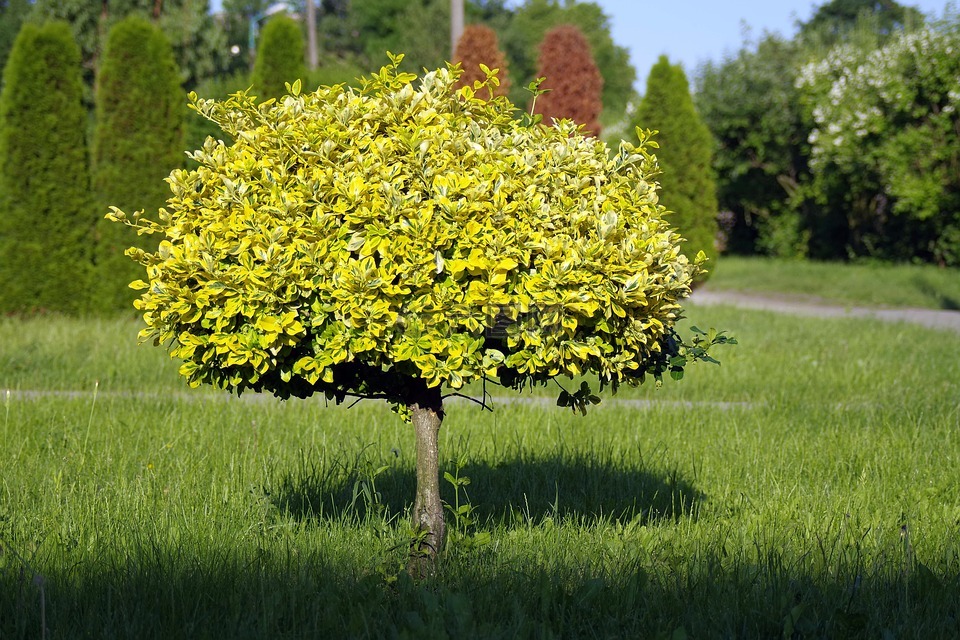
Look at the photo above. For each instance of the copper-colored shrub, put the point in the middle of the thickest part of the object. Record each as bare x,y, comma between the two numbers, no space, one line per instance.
572,77
478,45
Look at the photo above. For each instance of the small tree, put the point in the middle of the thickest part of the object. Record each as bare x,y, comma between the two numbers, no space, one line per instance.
478,46
45,213
685,156
571,79
280,57
399,241
137,142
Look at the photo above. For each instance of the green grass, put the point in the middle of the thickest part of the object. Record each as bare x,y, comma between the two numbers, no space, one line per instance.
873,284
805,488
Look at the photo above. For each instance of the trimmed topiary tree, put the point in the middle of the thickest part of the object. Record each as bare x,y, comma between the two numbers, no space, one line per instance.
280,57
478,46
399,242
138,140
571,79
46,213
685,154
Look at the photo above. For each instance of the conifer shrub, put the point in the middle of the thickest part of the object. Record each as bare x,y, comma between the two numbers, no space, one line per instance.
478,46
280,57
46,213
685,154
402,240
571,79
138,140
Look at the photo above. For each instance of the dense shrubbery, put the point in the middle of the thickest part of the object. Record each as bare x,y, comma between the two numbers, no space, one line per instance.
138,140
390,228
885,147
684,154
46,213
844,142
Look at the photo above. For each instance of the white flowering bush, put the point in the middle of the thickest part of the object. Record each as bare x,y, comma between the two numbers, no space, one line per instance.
888,119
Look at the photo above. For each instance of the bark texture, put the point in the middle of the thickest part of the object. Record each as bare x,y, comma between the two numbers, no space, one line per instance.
426,415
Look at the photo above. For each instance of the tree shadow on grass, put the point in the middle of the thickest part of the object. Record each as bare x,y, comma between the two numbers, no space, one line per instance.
240,589
522,490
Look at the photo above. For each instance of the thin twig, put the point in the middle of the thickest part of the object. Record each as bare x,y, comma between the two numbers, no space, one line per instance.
483,403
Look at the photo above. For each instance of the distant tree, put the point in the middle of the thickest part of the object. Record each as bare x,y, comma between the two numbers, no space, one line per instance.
572,79
46,214
685,156
478,45
138,140
834,20
280,57
528,26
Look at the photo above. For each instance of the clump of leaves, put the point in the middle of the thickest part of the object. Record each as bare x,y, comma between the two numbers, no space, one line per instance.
349,241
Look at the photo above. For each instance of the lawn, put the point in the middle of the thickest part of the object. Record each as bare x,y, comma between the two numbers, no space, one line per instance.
807,487
870,284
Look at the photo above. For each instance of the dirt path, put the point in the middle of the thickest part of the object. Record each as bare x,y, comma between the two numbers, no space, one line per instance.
949,320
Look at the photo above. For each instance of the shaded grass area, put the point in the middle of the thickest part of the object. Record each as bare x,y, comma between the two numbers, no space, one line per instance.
871,284
821,502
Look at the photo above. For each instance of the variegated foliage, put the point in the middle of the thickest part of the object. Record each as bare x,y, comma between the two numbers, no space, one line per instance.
350,241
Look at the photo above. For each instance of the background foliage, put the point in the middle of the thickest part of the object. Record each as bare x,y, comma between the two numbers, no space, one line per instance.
842,143
198,41
478,45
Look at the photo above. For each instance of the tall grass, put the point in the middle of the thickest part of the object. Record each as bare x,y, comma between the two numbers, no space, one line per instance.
805,488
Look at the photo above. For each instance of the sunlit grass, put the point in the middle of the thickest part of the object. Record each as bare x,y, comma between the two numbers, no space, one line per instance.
874,284
806,487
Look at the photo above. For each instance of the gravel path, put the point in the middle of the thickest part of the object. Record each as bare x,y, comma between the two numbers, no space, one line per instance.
948,320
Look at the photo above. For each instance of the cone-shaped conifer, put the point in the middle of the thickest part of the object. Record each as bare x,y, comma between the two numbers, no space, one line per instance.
280,58
46,213
573,82
138,141
478,45
685,156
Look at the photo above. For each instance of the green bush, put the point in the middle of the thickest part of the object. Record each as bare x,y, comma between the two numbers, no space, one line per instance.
391,241
46,214
685,156
138,140
280,58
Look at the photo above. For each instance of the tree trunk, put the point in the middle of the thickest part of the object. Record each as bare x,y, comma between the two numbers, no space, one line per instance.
426,413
